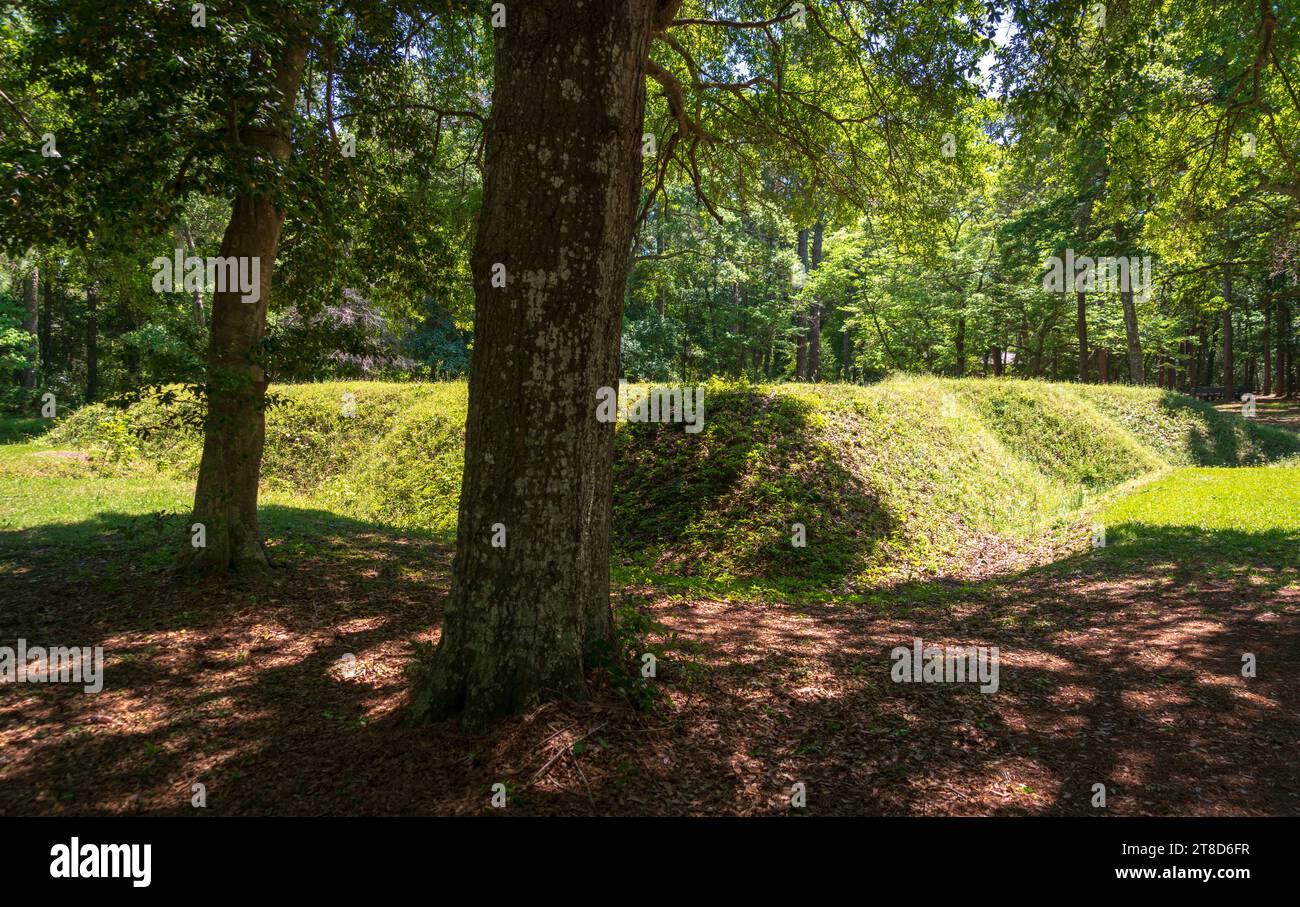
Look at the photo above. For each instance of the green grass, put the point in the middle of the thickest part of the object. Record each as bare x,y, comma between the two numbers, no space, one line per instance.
1248,517
54,501
14,429
894,480
1241,500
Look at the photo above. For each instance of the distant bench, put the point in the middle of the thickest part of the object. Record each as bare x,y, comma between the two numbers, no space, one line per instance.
1216,393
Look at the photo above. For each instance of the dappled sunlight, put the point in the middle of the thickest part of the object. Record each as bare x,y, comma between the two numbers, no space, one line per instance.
1117,665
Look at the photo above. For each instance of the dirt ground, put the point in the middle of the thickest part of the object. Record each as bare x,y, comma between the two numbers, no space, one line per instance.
1128,679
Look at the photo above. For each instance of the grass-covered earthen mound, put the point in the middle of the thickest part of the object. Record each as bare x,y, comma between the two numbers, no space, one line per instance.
898,477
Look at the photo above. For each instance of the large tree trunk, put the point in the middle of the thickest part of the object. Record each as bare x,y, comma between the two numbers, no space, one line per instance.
559,201
1229,391
1135,371
31,317
225,500
1081,328
92,342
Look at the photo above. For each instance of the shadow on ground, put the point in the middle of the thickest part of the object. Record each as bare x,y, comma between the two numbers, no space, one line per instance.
1120,667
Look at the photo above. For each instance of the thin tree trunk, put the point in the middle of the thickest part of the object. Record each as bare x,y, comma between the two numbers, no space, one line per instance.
196,295
1228,389
1081,330
1287,354
960,370
563,165
92,342
1136,373
801,319
815,311
47,321
225,499
1279,366
31,318
1267,342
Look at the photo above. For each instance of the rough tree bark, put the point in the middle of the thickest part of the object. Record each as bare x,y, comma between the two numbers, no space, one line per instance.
559,204
31,314
225,500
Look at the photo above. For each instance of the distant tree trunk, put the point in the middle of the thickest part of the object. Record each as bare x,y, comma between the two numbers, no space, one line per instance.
522,620
738,306
1228,389
1135,370
960,370
661,297
1081,330
846,354
1267,341
31,318
196,295
998,364
800,318
47,320
1286,353
92,342
225,499
815,310
1279,365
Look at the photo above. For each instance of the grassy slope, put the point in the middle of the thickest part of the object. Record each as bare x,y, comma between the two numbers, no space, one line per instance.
896,478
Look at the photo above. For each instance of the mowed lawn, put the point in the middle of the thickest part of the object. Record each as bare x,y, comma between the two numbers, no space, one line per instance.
1246,517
